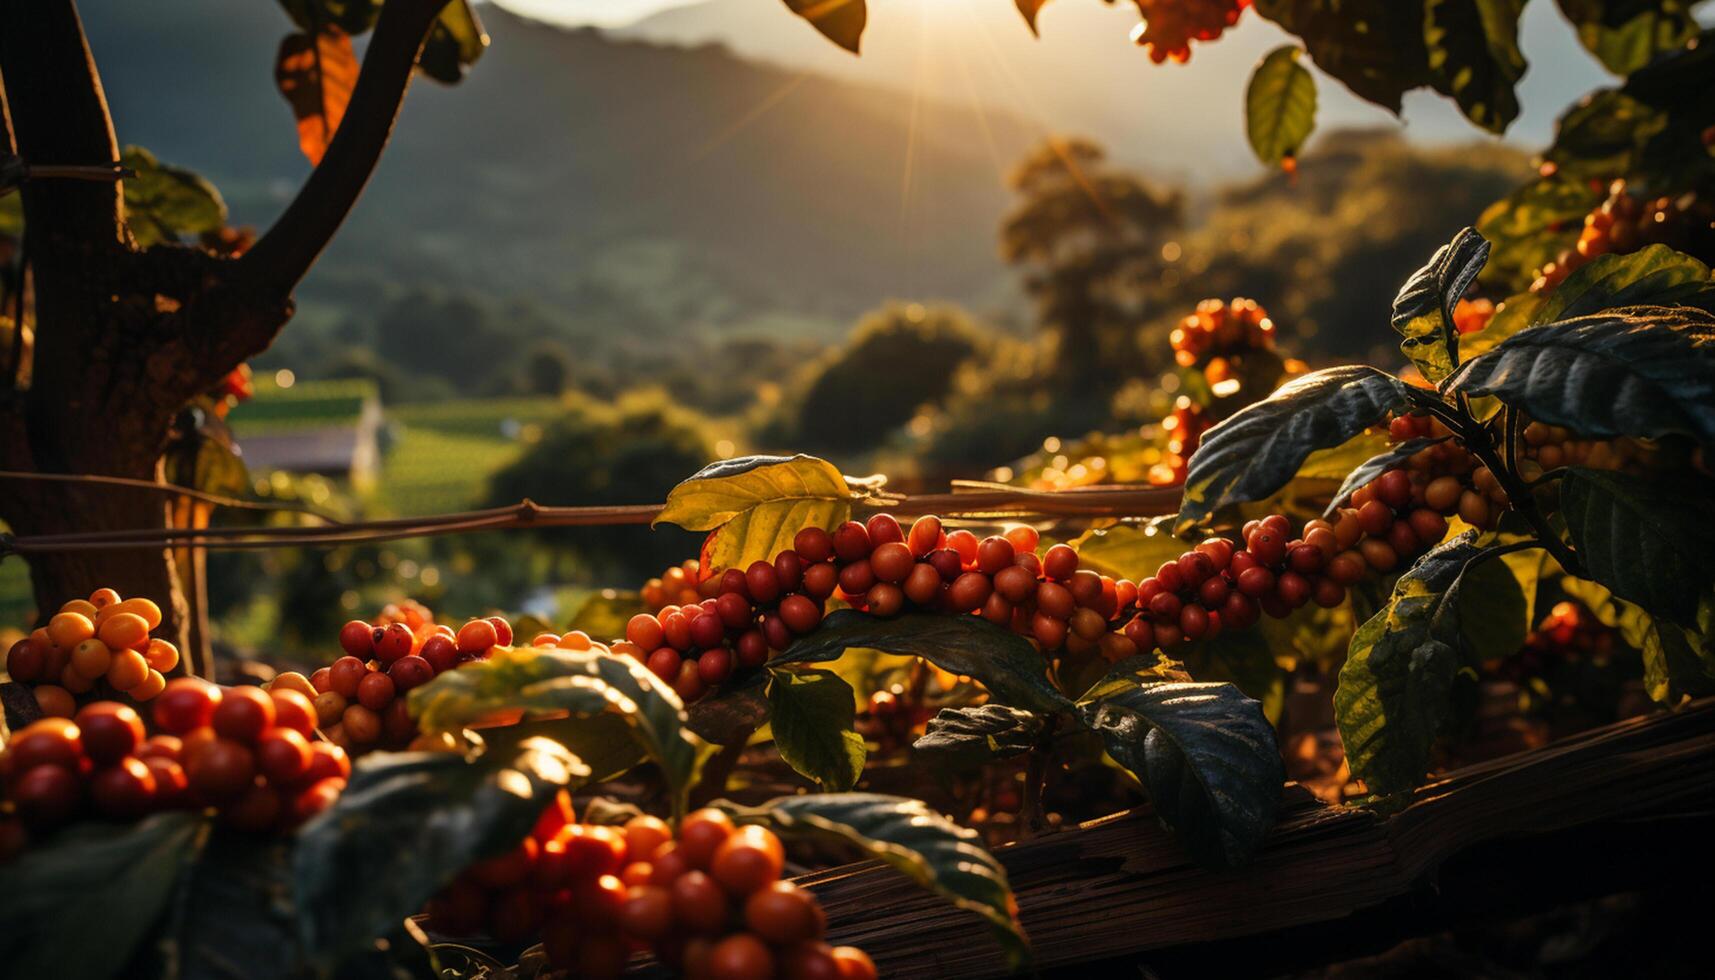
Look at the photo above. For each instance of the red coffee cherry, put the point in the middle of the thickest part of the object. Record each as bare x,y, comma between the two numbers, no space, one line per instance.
925,535
354,638
1393,488
1374,518
969,591
813,545
883,529
109,731
892,562
800,614
1060,562
994,553
851,541
884,599
762,582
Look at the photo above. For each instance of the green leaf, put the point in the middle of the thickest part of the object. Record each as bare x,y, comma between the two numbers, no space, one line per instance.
931,850
1532,225
603,614
1207,756
114,880
455,42
967,738
407,825
1259,449
1373,47
543,682
1280,106
1679,662
840,21
1127,550
1604,134
1423,310
1375,466
1648,539
1645,371
1001,660
350,16
164,203
1393,694
1475,58
1494,609
813,723
1335,462
1626,35
756,505
1654,275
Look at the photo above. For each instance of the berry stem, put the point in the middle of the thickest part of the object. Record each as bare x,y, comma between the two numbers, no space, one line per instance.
1482,445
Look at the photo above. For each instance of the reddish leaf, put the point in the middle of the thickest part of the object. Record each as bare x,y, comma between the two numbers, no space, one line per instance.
316,74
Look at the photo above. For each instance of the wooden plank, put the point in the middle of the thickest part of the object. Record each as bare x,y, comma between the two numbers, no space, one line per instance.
1120,885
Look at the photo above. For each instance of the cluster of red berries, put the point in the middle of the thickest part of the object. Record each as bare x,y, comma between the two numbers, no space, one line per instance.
1169,26
238,385
1622,223
1218,330
880,568
359,698
708,902
247,752
100,641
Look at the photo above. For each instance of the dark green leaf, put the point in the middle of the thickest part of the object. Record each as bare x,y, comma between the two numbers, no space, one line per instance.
840,21
931,850
164,203
1001,660
350,16
1654,275
1423,310
1145,668
407,825
1606,133
95,876
966,738
1651,541
1474,56
1375,466
1374,47
1626,35
813,717
1207,756
543,682
1280,106
1393,694
1645,371
1259,448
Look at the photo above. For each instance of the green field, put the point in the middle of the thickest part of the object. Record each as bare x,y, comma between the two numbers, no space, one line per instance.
445,452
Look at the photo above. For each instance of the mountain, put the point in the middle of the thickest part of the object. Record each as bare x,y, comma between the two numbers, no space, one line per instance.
1083,74
613,180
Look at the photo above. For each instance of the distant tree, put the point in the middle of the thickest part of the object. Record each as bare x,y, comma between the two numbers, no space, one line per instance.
601,455
548,368
897,359
1089,239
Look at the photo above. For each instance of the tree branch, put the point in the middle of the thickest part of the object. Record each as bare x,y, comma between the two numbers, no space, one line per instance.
59,116
283,255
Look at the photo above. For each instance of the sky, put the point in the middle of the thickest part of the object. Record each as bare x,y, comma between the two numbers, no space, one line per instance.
598,13
1083,75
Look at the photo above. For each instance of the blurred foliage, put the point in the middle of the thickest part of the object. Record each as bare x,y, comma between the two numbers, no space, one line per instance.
634,452
897,360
